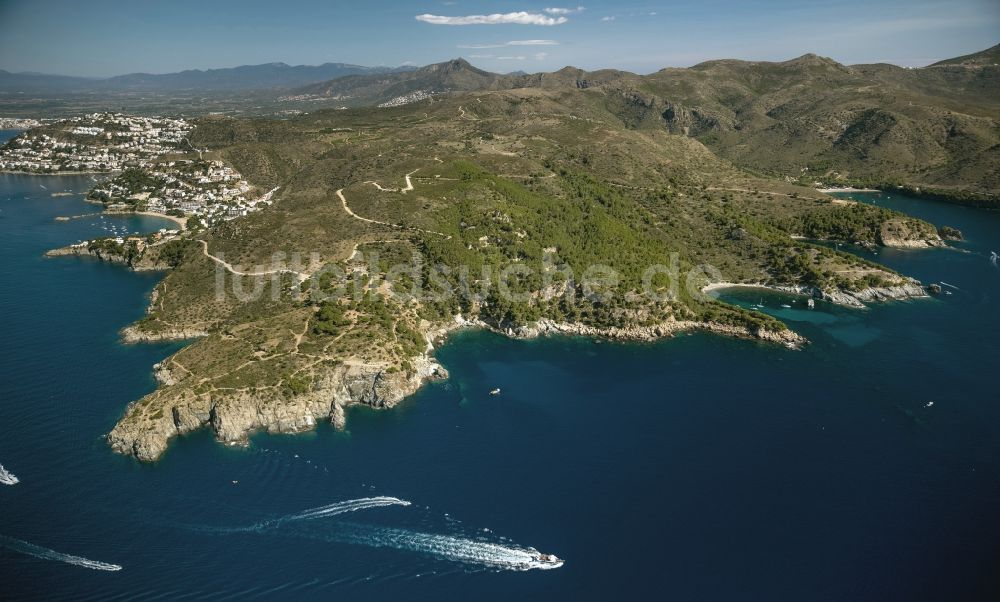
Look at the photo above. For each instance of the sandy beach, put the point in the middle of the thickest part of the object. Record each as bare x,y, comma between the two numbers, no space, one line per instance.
180,221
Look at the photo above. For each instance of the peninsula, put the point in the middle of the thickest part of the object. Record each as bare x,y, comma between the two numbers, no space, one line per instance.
329,253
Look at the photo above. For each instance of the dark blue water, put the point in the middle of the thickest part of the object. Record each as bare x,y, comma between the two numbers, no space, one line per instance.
696,468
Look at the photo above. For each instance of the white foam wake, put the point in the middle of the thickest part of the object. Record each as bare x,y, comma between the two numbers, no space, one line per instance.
46,554
348,506
7,478
447,547
327,511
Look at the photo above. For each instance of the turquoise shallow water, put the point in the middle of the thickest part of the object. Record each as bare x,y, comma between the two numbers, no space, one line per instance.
695,468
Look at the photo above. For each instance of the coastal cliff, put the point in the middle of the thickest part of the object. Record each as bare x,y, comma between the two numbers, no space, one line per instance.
647,333
149,425
138,261
233,415
906,288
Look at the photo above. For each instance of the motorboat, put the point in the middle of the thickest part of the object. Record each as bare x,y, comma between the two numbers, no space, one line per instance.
547,561
495,392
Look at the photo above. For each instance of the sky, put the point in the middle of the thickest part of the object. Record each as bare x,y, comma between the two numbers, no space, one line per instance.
100,38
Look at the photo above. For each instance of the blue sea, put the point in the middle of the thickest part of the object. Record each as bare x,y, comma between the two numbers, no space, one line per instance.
696,468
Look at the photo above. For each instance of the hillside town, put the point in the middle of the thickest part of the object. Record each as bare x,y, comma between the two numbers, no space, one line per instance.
99,142
133,149
208,190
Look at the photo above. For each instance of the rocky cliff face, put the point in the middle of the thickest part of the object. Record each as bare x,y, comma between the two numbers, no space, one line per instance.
172,410
651,332
150,424
133,334
145,262
905,290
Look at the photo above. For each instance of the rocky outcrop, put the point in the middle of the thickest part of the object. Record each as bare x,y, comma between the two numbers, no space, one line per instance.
905,290
144,262
902,233
547,327
649,332
134,334
150,424
84,251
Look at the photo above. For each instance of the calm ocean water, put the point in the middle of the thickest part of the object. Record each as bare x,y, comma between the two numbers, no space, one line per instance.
695,468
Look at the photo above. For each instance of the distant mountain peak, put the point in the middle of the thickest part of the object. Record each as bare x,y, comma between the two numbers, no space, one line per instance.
809,59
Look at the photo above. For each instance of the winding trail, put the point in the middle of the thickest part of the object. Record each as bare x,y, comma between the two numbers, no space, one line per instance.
229,267
343,201
409,184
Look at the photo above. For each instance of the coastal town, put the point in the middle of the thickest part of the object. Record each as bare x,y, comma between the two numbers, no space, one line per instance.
153,167
99,142
207,191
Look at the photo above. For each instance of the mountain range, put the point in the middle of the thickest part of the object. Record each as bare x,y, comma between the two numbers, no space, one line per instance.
811,119
808,119
246,77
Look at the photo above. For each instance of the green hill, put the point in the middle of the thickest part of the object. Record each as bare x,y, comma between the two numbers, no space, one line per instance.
809,119
408,219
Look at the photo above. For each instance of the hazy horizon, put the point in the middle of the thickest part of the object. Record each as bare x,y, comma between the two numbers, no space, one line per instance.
111,37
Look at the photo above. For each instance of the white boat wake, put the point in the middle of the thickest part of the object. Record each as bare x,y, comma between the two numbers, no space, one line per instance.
7,478
446,547
347,506
322,512
31,549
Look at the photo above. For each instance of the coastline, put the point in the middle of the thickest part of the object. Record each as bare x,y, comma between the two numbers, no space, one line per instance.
55,173
911,289
146,430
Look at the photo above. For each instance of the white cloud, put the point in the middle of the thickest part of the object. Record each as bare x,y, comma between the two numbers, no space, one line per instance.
533,43
511,43
517,18
564,11
607,18
540,56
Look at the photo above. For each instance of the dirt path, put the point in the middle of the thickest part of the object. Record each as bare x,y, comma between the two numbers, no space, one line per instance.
343,201
409,184
204,248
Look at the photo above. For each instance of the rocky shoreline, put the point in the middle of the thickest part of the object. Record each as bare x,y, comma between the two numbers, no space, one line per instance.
132,334
646,333
149,424
911,289
145,432
147,427
144,263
